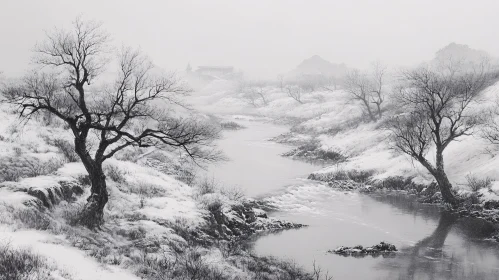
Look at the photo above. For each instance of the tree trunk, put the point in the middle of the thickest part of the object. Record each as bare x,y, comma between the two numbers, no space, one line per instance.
92,215
380,114
369,111
442,180
445,187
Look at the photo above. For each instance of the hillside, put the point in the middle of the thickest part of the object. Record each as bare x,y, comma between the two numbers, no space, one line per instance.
161,221
330,123
461,52
316,65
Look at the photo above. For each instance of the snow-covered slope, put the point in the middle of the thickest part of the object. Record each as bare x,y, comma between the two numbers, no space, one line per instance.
337,122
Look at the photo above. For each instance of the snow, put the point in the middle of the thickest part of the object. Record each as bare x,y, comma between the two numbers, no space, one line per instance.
13,198
334,120
68,259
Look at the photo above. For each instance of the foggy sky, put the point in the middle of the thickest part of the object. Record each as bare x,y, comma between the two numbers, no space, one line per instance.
263,38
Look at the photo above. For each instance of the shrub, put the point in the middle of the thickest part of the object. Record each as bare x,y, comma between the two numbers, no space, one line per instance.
22,264
66,149
115,173
129,154
207,186
233,193
71,212
476,184
358,176
313,151
361,176
39,168
84,180
32,218
13,168
230,125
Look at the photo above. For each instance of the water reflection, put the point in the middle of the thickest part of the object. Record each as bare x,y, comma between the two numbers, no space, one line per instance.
431,258
433,244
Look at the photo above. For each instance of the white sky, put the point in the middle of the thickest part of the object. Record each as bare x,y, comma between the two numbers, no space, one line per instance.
261,37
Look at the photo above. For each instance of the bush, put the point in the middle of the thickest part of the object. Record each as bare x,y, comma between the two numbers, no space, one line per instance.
358,176
71,212
14,168
313,151
475,184
361,176
115,173
189,264
67,149
32,218
233,193
207,186
230,125
84,180
22,264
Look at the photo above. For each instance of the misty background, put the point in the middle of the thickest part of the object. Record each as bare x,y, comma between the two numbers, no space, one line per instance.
261,38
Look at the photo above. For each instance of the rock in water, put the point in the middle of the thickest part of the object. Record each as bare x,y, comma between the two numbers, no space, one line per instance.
381,248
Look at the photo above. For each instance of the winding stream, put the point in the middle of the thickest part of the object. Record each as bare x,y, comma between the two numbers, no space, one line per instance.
433,244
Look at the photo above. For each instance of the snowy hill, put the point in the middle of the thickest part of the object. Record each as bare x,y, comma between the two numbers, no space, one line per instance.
161,222
316,65
461,52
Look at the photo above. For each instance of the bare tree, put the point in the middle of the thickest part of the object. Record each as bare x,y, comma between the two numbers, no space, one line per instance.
377,94
132,111
280,81
255,93
437,105
331,84
490,131
368,89
294,92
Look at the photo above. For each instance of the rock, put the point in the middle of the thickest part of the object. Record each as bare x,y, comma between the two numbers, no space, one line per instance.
381,248
53,195
436,196
491,204
236,221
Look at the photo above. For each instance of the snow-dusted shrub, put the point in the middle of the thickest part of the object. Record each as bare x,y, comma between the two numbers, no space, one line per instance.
231,125
132,233
67,149
70,212
192,263
115,173
84,180
145,189
475,184
358,176
206,186
32,218
186,175
233,193
15,168
17,151
313,151
130,154
22,264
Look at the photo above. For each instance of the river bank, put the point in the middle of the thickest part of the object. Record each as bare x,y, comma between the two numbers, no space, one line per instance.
481,202
160,222
338,217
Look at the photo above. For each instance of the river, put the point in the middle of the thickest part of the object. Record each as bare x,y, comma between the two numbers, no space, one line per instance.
432,243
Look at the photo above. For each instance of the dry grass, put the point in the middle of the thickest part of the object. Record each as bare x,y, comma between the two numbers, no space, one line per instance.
15,168
475,184
22,264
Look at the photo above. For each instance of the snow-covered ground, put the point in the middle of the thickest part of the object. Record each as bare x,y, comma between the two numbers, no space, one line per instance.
157,227
334,120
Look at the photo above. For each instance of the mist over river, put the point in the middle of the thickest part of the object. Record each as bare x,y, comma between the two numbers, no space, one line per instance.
433,244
